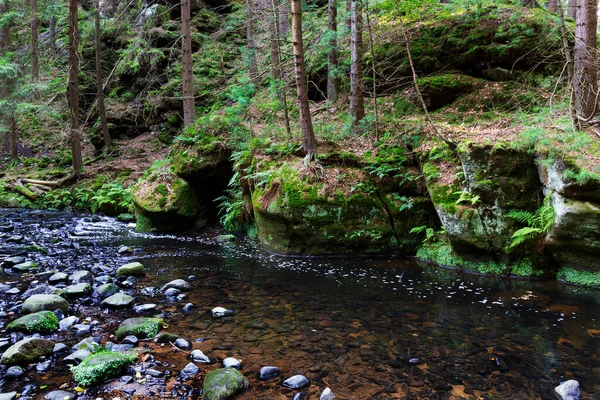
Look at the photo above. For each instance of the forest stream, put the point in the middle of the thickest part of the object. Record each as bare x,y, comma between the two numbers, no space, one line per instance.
367,328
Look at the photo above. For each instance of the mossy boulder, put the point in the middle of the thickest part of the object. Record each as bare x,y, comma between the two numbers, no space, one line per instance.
201,159
41,302
78,290
39,322
131,269
560,176
164,202
224,383
441,90
141,327
27,350
101,366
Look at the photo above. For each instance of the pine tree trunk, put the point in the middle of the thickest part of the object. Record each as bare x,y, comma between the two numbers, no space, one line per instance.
73,87
35,71
187,79
585,58
6,42
12,123
348,19
284,19
309,143
332,56
99,85
52,29
553,6
250,46
572,9
274,41
357,103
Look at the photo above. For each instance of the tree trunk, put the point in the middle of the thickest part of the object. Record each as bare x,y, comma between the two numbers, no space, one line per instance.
553,6
52,29
357,103
274,42
585,58
332,56
99,85
35,71
73,87
572,8
250,46
348,19
12,124
6,42
309,143
284,19
187,79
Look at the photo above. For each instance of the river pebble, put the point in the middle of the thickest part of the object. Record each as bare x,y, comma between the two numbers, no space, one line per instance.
199,356
296,382
268,372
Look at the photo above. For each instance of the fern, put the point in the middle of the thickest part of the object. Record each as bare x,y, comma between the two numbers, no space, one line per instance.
538,223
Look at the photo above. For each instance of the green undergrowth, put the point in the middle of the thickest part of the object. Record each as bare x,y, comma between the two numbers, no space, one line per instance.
579,277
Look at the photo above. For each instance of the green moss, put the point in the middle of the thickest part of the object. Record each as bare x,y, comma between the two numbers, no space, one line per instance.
39,322
101,366
579,277
142,327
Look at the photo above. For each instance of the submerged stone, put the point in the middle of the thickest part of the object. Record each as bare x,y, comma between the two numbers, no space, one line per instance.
179,284
142,327
27,350
231,362
219,312
39,322
41,302
101,366
223,384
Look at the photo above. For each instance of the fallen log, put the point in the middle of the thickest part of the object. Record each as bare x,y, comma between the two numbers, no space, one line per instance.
36,189
20,188
37,182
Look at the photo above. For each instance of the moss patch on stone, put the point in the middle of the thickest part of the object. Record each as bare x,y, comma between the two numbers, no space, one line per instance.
224,383
101,366
39,322
141,327
578,277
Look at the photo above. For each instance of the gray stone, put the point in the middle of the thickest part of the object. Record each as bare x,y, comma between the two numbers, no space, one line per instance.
130,340
268,372
14,372
568,390
66,323
58,277
124,250
13,291
219,312
183,344
81,276
327,395
88,344
224,383
296,382
26,266
40,302
8,396
14,260
106,290
199,356
231,362
59,348
131,269
60,395
43,367
118,300
78,290
142,308
154,373
172,292
76,357
165,337
189,371
82,328
177,284
27,350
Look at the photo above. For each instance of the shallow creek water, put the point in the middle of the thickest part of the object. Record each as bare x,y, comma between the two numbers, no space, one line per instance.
368,328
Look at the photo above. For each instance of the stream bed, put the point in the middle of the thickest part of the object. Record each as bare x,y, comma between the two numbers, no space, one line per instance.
368,328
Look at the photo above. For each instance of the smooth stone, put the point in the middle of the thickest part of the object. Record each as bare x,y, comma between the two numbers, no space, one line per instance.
126,379
131,269
27,350
183,344
224,383
199,356
13,291
189,371
103,279
165,337
179,284
142,327
14,372
118,347
268,372
154,373
149,291
296,382
43,367
66,323
88,344
60,395
124,250
78,290
41,302
118,300
14,260
172,292
219,312
106,290
38,322
327,395
77,357
82,328
58,277
300,396
131,339
59,348
142,308
81,276
99,367
231,362
568,390
26,266
8,396
188,307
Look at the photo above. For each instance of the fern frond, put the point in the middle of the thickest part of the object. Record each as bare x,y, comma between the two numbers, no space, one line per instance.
523,235
524,217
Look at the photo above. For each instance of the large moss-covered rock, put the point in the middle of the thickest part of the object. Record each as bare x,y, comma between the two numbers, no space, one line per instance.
131,269
223,383
39,322
141,327
164,202
27,350
101,366
41,302
558,176
440,90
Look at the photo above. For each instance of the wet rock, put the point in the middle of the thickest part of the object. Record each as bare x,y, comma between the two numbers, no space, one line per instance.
143,308
126,379
117,300
327,395
77,357
124,250
142,327
188,307
81,276
199,356
231,362
14,260
568,390
26,266
43,367
296,382
300,396
125,217
27,351
99,367
219,312
128,282
8,396
268,372
149,291
154,373
179,284
166,337
107,290
78,290
190,371
60,395
88,344
14,372
82,329
131,269
39,322
13,291
172,292
59,348
183,344
102,279
118,347
130,340
41,302
38,288
223,384
58,278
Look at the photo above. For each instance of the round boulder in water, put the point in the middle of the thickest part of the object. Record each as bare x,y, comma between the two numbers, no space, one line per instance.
142,327
131,269
296,382
106,290
117,300
81,276
39,322
199,356
41,302
27,350
177,284
223,384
